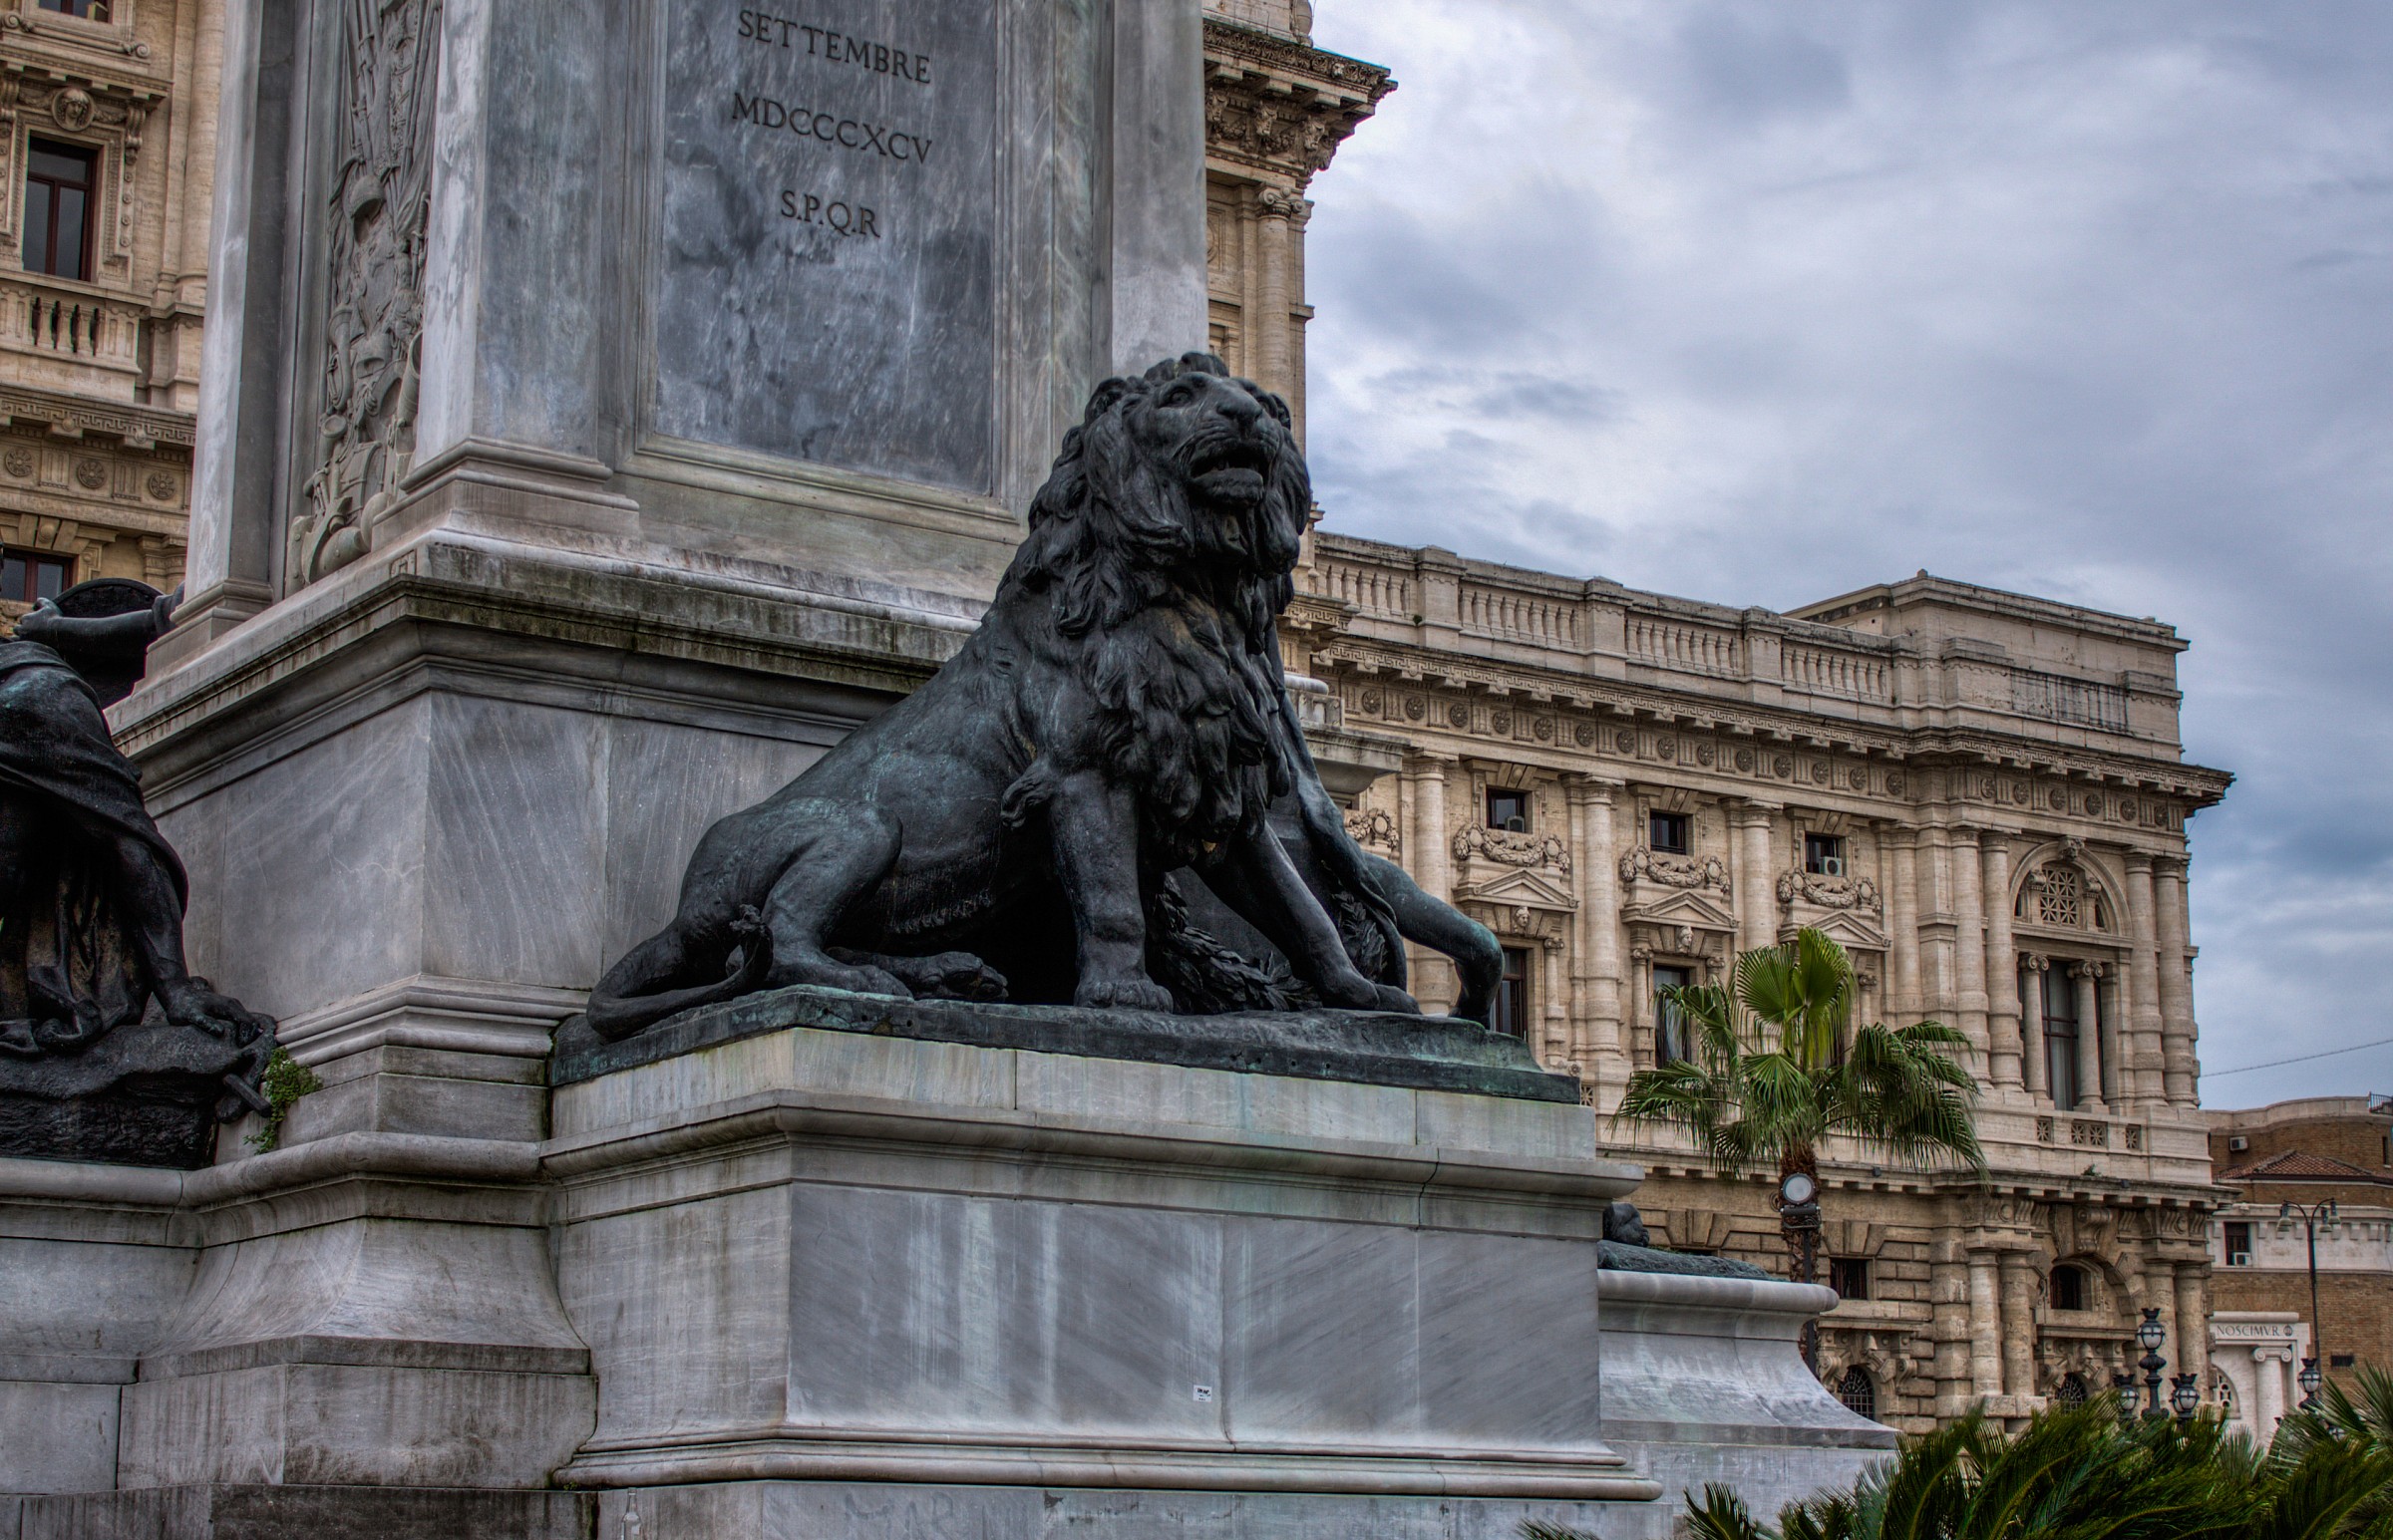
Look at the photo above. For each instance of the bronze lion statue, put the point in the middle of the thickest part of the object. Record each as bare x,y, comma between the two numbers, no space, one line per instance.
1024,825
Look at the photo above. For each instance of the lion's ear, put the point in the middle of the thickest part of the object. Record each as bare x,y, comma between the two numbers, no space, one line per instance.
1108,391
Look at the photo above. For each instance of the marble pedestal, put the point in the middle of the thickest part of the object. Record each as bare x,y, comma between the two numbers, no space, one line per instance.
810,1259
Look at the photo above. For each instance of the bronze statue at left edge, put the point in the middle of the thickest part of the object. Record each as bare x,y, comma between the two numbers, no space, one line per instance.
110,1049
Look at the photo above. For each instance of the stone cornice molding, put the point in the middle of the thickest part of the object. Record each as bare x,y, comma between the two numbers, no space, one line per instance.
1280,106
73,417
1921,748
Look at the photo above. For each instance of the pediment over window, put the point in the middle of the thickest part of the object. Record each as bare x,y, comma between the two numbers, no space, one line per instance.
1519,888
1684,908
1851,932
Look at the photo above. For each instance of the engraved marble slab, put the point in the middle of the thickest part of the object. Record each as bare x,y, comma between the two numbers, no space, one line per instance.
826,288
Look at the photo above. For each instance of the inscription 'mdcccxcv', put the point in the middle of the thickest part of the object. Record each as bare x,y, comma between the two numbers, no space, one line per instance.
826,282
829,128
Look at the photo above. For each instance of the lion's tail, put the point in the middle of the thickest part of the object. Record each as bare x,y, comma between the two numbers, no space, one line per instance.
615,1016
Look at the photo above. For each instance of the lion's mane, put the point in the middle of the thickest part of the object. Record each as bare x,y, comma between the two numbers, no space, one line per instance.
1163,609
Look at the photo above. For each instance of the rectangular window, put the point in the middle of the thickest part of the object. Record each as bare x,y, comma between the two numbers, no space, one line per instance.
1670,1043
2238,1243
58,180
89,10
1508,810
1512,995
29,575
2060,1035
2343,1359
1666,832
1823,854
1850,1277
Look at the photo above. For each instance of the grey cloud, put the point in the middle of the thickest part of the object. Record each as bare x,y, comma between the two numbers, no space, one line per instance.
1759,303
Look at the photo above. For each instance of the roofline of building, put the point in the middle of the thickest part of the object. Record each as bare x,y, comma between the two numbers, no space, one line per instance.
2296,1109
1998,601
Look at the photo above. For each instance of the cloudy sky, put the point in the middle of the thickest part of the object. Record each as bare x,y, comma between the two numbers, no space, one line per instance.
1758,303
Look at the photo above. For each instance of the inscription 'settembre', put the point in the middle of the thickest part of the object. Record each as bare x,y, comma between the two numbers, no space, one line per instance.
836,48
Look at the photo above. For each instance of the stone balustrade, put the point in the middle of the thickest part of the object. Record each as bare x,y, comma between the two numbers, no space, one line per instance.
83,339
1600,628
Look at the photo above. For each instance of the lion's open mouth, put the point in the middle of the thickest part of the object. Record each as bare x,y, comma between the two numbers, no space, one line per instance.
1227,469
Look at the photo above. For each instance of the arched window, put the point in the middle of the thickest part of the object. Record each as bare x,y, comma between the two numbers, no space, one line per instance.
2064,898
1857,1392
2072,1391
2068,1287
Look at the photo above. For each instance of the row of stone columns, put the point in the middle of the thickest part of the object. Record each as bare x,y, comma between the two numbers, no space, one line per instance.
2003,1292
1966,970
1947,891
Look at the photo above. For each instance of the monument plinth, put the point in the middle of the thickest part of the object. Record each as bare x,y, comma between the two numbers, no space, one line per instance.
815,1255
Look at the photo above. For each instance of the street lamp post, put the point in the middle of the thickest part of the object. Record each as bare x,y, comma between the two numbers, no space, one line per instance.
2312,1216
1799,1216
2152,1334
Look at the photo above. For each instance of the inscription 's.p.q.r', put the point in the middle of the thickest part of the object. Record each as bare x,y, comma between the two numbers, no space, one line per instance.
843,218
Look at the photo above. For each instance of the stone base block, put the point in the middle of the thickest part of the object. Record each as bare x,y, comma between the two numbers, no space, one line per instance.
820,1255
299,1513
808,1510
1703,1381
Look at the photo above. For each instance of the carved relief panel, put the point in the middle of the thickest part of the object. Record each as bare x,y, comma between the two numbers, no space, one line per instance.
375,217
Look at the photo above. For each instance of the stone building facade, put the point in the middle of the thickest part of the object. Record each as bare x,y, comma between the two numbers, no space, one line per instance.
108,126
1980,794
2308,1152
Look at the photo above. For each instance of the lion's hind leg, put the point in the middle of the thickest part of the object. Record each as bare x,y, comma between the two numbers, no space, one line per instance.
841,854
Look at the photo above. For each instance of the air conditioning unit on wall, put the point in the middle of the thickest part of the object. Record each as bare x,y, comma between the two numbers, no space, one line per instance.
2237,1145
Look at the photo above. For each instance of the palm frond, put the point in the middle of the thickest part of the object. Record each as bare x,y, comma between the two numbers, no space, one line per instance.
1719,1514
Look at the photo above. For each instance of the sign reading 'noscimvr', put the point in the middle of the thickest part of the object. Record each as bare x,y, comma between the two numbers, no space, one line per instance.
827,289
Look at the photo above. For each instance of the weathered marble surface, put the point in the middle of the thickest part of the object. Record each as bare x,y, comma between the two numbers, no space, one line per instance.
370,1309
1703,1381
844,1279
1367,1047
825,1255
827,284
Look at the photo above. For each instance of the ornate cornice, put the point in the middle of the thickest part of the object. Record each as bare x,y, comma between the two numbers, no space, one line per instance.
1278,105
75,416
1996,758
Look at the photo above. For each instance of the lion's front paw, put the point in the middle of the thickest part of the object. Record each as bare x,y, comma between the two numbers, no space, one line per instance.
1122,994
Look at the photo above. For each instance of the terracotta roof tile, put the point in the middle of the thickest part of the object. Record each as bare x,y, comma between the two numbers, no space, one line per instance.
2293,1165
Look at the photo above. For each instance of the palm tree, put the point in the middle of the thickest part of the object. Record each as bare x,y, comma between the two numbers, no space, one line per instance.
1768,1076
2086,1472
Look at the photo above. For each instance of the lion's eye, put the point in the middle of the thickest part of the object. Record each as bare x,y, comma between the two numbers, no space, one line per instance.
1179,395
